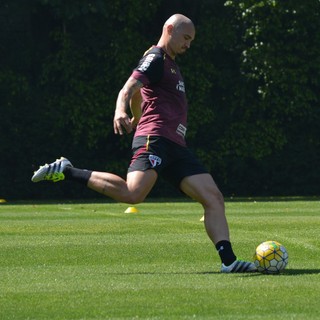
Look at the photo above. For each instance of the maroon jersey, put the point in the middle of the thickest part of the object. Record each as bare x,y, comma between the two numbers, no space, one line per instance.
164,106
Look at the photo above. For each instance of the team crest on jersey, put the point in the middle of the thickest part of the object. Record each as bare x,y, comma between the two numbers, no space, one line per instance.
154,160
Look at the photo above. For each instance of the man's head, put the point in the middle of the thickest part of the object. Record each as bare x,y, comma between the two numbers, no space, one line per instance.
177,34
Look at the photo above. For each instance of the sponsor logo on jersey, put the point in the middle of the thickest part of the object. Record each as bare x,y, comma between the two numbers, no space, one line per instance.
173,71
154,160
146,63
180,86
181,130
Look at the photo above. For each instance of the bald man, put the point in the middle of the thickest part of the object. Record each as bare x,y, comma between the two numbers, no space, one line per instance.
156,95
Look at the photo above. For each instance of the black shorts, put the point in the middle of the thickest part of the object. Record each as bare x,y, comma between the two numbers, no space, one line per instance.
173,161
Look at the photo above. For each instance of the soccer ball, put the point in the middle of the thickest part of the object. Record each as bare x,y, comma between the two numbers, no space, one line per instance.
271,257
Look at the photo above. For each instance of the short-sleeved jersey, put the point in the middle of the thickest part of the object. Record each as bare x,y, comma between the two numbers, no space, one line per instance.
164,106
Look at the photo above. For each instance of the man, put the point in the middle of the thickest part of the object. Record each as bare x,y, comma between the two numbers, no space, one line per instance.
155,92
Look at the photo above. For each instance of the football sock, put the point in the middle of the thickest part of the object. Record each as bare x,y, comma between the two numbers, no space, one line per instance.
226,253
80,175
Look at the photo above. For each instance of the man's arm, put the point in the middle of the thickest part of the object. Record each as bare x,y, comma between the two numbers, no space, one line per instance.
128,96
135,107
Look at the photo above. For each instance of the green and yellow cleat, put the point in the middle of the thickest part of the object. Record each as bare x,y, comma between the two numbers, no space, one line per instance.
51,172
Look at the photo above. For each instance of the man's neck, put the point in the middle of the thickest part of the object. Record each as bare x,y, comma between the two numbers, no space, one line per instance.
166,49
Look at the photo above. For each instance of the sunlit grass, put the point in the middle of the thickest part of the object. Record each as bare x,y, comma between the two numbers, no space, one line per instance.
93,261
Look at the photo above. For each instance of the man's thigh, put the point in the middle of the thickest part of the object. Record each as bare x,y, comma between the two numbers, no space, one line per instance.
201,187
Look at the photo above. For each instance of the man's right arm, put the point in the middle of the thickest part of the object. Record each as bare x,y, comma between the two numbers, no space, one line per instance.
127,97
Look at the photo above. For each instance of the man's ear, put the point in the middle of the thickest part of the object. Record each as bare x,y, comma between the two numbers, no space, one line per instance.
170,29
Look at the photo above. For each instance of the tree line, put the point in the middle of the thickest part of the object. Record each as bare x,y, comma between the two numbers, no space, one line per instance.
252,78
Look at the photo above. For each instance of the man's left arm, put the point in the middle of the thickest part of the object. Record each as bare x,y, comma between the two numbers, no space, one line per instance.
135,107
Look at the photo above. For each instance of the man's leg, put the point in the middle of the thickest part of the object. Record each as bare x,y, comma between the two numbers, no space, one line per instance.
202,188
133,190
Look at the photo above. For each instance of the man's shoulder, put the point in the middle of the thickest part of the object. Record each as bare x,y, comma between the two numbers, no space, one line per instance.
154,50
151,64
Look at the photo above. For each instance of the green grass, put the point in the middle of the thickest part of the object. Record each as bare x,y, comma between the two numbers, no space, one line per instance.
92,261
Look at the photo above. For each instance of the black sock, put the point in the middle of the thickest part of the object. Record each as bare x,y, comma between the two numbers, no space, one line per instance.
80,175
226,253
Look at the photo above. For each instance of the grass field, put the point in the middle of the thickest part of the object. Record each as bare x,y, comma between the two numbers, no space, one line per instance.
92,261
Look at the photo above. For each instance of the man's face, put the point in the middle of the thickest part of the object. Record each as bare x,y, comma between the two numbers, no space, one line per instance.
181,38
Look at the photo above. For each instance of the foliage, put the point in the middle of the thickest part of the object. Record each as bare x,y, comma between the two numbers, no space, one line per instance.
278,64
82,77
252,79
276,104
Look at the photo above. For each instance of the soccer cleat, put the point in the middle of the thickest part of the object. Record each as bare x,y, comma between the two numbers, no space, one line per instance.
52,172
239,266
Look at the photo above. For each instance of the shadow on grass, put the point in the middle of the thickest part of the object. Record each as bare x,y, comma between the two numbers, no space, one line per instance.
105,200
289,272
297,272
173,273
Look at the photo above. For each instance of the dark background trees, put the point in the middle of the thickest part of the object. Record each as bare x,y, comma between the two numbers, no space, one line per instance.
252,78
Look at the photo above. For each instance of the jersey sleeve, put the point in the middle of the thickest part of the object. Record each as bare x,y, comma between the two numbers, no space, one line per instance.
150,68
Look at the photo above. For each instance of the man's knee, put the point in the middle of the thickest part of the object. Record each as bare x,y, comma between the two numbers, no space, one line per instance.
217,194
134,198
139,185
211,195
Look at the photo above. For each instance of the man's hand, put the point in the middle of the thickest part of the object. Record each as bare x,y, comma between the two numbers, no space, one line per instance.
121,120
